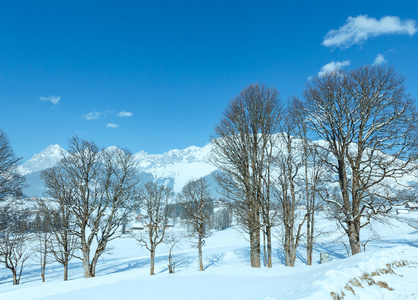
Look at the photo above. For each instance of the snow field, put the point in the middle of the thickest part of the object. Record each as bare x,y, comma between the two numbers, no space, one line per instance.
227,275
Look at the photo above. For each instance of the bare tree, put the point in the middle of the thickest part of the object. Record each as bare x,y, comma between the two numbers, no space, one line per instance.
313,172
268,204
13,235
43,237
240,147
369,124
63,243
100,191
290,161
172,240
15,240
11,183
314,178
197,203
154,200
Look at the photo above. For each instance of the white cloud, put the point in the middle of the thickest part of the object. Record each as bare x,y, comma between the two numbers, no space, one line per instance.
111,125
93,115
359,29
333,66
379,60
53,99
125,114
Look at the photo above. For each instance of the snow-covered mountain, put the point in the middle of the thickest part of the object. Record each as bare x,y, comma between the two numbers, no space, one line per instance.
173,168
44,160
179,165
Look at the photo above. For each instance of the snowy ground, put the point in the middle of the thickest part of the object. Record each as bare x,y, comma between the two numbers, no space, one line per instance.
387,270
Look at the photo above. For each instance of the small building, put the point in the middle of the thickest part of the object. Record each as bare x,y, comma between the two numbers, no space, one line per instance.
413,206
145,227
402,210
137,227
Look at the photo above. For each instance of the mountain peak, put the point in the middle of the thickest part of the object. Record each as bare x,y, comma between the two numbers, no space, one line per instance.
49,157
52,149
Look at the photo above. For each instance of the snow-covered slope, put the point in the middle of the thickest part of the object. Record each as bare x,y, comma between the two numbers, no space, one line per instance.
387,270
173,168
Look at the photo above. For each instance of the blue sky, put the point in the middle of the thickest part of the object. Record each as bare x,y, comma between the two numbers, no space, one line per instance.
157,75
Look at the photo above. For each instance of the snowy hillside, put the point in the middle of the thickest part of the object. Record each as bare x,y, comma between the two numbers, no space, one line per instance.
173,168
387,270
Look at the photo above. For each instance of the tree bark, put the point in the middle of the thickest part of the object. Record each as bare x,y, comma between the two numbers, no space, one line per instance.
43,266
255,247
269,258
66,270
264,249
94,264
199,246
152,254
354,236
15,280
289,245
308,242
86,264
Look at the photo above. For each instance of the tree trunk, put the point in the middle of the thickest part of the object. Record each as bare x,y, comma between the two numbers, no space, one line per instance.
86,265
264,249
290,248
43,266
199,247
269,258
86,254
86,268
66,270
309,245
353,225
152,253
309,249
170,263
311,228
287,245
93,266
255,237
292,257
15,280
354,237
255,248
